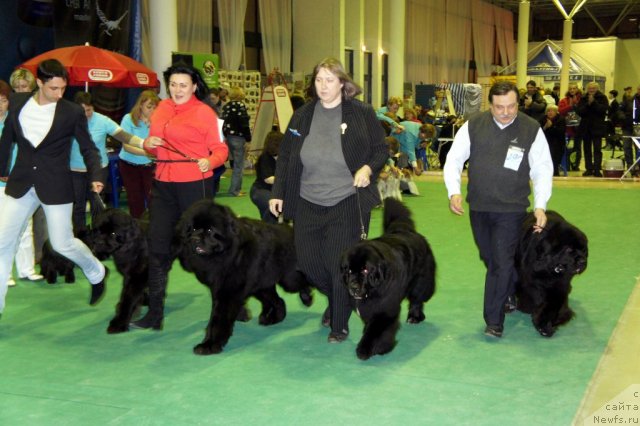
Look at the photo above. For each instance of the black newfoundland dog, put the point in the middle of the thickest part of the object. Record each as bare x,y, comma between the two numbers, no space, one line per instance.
117,234
237,258
546,263
53,264
381,272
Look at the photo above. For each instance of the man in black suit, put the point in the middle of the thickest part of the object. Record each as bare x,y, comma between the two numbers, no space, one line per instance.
43,126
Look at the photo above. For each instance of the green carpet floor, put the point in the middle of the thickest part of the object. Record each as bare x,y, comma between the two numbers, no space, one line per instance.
59,367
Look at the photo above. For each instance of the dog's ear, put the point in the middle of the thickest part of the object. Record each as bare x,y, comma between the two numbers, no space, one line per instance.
344,269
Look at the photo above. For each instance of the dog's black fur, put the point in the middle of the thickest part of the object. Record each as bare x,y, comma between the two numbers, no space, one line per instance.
381,272
546,263
117,234
53,264
237,258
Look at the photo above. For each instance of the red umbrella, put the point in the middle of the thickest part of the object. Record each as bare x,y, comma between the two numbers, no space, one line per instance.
92,66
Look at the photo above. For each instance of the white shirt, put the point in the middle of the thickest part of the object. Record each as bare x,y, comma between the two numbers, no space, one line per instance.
36,120
540,163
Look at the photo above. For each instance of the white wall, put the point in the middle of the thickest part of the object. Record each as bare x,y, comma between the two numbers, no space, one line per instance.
627,72
601,53
373,40
316,32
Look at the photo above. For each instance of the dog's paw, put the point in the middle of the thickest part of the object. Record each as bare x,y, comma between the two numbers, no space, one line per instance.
415,317
545,330
306,297
244,315
364,353
273,315
207,349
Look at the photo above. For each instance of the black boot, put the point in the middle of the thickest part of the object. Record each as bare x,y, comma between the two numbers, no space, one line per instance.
154,316
158,274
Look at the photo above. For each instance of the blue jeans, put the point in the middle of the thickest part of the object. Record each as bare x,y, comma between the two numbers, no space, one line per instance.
236,148
14,216
260,197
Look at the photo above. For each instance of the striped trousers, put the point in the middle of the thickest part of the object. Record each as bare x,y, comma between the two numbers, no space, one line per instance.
322,234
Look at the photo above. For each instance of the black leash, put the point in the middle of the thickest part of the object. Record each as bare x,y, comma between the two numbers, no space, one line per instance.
363,233
187,159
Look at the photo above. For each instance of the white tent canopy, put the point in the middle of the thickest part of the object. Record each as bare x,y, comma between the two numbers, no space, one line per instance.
545,61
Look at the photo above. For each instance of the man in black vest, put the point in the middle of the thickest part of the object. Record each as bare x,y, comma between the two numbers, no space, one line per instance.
43,125
506,149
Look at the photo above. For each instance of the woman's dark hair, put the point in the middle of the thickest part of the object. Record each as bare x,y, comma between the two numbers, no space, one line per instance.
334,66
613,92
272,143
501,88
51,68
202,91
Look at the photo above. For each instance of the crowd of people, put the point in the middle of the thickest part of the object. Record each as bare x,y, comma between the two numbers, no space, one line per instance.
336,162
591,121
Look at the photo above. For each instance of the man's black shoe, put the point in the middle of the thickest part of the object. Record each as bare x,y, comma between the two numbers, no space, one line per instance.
493,331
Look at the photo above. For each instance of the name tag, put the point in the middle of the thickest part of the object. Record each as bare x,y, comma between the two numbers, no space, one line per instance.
514,158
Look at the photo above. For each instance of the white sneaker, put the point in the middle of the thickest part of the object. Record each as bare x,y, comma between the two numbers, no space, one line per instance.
11,282
33,277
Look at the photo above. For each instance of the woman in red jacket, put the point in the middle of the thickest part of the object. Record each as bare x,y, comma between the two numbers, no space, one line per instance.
184,139
567,109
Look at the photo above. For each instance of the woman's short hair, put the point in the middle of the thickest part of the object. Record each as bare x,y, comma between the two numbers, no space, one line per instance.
236,94
202,91
394,100
349,88
22,74
551,107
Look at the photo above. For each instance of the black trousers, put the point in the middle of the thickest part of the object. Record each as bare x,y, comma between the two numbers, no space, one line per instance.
168,201
497,235
260,197
322,234
592,143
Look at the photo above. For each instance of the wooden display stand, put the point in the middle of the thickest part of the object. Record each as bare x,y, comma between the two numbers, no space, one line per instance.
274,108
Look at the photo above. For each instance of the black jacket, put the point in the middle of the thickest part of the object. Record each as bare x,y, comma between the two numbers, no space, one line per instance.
46,167
362,143
592,115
